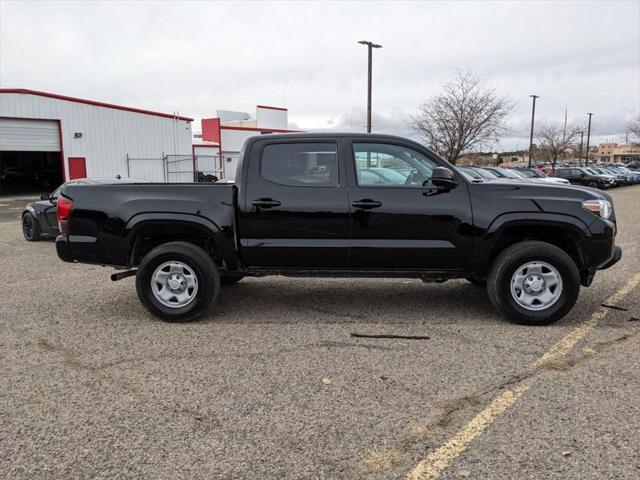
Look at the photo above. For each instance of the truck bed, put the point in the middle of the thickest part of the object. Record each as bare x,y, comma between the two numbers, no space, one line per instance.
115,216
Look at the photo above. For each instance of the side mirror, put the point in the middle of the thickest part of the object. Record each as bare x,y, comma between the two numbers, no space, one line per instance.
45,196
444,178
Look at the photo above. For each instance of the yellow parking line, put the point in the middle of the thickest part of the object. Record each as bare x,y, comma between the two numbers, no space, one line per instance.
568,342
437,461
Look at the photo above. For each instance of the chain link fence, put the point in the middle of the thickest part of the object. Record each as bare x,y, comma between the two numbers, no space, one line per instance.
208,168
147,168
176,168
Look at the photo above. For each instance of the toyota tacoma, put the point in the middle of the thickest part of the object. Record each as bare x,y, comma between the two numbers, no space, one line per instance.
343,205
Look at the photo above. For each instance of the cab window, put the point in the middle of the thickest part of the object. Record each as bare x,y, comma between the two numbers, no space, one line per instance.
391,166
300,164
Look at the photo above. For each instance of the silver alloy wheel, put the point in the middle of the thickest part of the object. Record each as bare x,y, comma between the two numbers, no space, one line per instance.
536,285
174,284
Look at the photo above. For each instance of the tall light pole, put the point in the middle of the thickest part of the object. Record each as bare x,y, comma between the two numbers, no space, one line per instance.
370,48
586,163
533,116
580,151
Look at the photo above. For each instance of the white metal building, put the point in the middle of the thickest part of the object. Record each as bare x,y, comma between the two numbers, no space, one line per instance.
47,138
226,138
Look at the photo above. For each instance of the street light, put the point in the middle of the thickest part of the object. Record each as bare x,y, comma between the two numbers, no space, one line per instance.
586,163
533,115
580,152
370,47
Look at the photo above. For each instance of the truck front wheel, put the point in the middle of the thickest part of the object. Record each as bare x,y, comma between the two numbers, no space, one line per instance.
533,283
177,281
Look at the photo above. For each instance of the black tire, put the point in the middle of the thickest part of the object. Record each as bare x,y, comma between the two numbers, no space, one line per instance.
203,267
227,281
30,228
593,185
513,257
477,281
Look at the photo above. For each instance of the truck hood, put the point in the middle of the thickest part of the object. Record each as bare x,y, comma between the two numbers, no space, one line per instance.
545,190
515,196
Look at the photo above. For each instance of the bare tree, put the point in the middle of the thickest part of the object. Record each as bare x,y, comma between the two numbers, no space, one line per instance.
555,138
467,116
634,127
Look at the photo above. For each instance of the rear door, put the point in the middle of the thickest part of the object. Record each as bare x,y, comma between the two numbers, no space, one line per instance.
294,212
398,219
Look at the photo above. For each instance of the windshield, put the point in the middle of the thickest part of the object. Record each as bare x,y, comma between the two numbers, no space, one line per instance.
466,174
592,172
471,173
506,172
486,173
527,173
519,174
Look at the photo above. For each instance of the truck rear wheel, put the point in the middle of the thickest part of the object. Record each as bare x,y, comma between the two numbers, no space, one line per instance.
177,281
533,283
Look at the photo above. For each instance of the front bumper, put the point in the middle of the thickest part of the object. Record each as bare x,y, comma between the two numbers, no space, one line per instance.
615,258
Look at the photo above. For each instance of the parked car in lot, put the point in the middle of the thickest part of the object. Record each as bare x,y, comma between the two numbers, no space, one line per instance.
623,177
503,173
535,174
619,179
634,174
471,173
585,177
480,172
40,218
534,244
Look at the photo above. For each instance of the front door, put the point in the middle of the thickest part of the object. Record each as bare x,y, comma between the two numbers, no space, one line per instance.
398,219
295,210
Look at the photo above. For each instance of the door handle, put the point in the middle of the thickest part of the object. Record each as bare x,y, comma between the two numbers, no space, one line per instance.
265,203
367,204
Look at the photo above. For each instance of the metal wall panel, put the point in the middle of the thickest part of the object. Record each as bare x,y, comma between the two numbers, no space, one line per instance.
106,135
272,118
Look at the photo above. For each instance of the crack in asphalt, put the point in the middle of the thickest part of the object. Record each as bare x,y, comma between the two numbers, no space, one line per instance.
449,408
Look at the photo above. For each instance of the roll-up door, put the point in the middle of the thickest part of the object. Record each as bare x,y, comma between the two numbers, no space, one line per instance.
18,135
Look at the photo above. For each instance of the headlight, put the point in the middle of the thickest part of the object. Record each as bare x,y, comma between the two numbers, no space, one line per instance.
599,207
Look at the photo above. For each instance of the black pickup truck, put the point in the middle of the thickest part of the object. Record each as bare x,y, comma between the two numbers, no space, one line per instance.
344,205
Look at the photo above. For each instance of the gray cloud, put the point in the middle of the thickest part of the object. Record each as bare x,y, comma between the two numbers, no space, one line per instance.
197,57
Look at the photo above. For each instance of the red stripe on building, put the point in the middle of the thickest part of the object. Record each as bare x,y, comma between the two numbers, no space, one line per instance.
273,108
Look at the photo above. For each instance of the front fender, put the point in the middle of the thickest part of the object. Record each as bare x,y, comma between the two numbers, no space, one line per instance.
574,225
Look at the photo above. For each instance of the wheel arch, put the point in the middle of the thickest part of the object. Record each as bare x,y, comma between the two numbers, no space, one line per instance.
564,231
147,231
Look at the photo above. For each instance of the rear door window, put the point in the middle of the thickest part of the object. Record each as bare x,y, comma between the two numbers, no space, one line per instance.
301,164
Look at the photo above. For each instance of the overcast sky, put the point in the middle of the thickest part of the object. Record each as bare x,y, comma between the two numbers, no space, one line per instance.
197,57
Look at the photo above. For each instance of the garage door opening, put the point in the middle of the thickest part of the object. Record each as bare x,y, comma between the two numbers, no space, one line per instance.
29,156
23,173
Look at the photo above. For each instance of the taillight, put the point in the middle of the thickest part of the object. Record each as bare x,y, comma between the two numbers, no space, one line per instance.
65,206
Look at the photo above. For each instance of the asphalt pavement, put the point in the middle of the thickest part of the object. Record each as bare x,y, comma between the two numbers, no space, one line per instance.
272,384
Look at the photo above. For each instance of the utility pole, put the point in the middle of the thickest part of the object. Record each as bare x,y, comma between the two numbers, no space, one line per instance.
580,151
586,163
533,115
370,47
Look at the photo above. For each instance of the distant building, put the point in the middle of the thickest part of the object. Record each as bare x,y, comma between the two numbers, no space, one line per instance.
47,138
224,135
618,153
